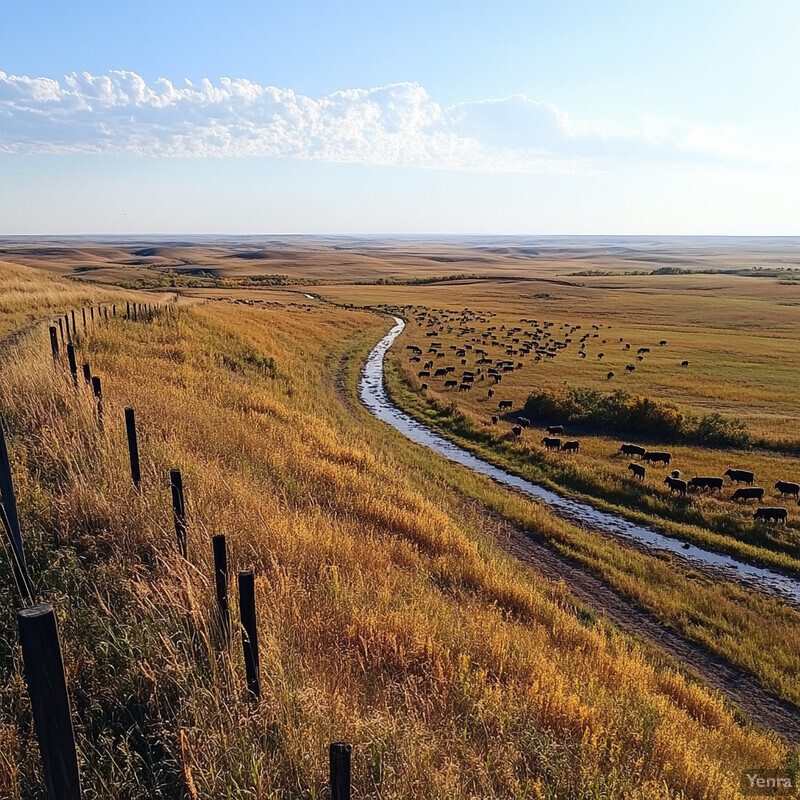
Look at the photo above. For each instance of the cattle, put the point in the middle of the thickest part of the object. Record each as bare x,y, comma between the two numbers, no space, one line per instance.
440,373
787,487
555,429
573,446
640,358
642,350
676,485
424,386
505,404
582,354
637,470
662,342
656,457
495,419
551,443
601,355
424,373
491,393
630,367
684,363
464,387
517,431
771,514
632,450
703,483
740,476
416,359
676,473
749,493
450,384
609,376
627,346
524,421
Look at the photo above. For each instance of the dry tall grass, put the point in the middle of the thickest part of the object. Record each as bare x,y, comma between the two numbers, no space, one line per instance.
382,623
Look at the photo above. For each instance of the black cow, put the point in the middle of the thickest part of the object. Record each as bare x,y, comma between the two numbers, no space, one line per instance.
740,476
632,450
573,446
450,384
630,367
554,430
749,493
524,421
787,487
702,482
440,373
637,470
684,363
656,457
609,376
505,404
517,431
676,485
771,514
491,393
464,387
424,374
495,419
551,443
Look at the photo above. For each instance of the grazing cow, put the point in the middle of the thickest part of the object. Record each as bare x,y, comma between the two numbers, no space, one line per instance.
642,350
464,387
450,384
662,342
491,393
703,482
524,421
517,431
657,457
609,376
505,404
676,485
416,359
787,487
495,419
424,386
640,358
555,429
632,450
440,373
601,355
750,493
627,345
771,514
684,363
424,373
630,367
551,443
740,476
638,471
582,354
573,446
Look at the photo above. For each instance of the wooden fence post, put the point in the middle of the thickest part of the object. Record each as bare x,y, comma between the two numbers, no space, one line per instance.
127,309
61,329
8,497
133,446
114,309
340,770
54,341
47,687
91,309
73,367
247,615
83,311
221,581
66,323
98,393
74,329
178,509
87,374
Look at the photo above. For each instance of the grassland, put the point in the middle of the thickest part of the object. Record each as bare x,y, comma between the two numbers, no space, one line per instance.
389,618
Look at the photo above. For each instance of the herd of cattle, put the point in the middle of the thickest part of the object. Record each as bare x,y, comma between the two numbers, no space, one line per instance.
512,345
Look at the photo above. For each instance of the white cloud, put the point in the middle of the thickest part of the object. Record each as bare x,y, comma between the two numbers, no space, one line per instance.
398,124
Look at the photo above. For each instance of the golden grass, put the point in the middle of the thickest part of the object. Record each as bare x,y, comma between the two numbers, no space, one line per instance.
383,622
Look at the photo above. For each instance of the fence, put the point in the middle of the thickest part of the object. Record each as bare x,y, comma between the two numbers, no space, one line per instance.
38,631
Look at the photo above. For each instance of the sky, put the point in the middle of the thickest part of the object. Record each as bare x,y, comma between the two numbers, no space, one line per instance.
504,117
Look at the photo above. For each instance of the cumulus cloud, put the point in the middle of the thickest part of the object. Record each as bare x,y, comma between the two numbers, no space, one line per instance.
399,124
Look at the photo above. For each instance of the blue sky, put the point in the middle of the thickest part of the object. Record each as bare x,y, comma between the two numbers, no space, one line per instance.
376,117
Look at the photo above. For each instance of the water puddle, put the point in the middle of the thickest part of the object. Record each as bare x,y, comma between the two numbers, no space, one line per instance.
374,396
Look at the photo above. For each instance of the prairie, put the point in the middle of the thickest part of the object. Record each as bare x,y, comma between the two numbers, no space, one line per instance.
389,617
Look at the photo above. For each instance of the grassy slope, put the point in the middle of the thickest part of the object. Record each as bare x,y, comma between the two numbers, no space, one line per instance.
385,621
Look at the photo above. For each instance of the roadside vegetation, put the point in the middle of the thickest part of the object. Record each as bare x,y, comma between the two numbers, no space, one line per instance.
387,619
